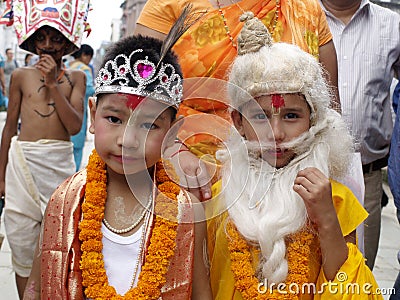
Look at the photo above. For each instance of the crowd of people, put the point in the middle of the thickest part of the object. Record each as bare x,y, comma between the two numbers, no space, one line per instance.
239,148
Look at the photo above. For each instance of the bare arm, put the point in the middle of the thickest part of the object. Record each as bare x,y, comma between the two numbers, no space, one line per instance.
328,59
11,126
32,290
315,190
143,30
70,111
201,281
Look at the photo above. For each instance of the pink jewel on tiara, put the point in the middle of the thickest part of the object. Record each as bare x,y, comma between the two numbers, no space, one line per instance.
144,70
130,75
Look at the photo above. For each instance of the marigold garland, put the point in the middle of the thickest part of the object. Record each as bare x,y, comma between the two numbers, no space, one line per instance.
162,242
298,252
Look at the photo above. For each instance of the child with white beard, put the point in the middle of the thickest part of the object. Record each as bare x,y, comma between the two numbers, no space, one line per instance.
289,230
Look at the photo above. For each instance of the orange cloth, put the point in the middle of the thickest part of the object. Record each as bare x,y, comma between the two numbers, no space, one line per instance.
60,248
350,214
205,50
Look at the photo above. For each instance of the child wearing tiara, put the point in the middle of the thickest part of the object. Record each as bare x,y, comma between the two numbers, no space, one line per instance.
289,231
122,228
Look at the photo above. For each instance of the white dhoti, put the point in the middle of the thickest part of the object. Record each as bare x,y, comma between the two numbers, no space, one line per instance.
354,180
34,171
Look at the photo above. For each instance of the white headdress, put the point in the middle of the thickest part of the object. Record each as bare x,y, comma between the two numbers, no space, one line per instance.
67,16
266,68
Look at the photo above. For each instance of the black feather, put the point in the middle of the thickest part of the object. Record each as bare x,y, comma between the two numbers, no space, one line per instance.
186,19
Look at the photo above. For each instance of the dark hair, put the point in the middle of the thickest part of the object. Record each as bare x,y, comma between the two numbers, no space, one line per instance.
151,49
84,49
8,49
26,58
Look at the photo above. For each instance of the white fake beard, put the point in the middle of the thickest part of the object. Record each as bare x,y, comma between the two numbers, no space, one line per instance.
248,180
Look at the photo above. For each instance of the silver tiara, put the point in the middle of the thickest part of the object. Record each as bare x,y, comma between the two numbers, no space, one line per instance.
145,78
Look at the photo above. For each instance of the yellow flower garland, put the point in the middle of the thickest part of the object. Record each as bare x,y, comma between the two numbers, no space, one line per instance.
162,242
298,252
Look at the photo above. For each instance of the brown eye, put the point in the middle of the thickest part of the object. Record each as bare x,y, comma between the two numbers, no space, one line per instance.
39,37
148,126
57,39
114,120
291,116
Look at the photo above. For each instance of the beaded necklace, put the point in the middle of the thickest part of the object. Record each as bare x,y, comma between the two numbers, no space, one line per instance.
131,227
141,246
228,32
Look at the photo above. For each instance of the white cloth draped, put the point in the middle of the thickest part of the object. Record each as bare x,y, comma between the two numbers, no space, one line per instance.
34,171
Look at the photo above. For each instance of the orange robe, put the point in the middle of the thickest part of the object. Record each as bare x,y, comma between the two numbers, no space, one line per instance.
205,50
350,214
60,248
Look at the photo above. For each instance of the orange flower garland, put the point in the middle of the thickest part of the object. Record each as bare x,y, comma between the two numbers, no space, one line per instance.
246,282
162,242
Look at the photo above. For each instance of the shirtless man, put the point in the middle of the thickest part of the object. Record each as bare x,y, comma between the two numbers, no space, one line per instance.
48,100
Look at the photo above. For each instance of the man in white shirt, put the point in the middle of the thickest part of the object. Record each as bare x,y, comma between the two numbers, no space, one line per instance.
367,42
9,66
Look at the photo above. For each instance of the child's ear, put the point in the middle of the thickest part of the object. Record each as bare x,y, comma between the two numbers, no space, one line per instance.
92,110
238,121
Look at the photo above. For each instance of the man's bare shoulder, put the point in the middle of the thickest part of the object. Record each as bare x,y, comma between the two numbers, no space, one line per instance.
25,78
26,72
76,74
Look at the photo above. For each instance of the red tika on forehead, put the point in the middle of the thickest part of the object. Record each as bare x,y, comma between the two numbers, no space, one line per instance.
277,101
132,101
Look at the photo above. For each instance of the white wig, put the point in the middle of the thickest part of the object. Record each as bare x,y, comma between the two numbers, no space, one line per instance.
265,68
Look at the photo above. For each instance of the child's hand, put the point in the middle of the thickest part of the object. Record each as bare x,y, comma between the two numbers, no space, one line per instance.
192,171
315,189
48,67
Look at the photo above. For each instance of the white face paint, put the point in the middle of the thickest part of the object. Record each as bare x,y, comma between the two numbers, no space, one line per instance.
124,218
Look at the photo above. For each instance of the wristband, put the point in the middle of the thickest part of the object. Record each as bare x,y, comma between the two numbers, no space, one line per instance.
178,141
179,151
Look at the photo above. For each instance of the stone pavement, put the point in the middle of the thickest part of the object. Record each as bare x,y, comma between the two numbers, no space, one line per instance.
385,271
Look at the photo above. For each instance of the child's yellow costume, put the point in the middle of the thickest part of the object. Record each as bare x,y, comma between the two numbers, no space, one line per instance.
264,245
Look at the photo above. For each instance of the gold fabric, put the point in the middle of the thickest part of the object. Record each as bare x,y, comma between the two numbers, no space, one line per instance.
60,248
